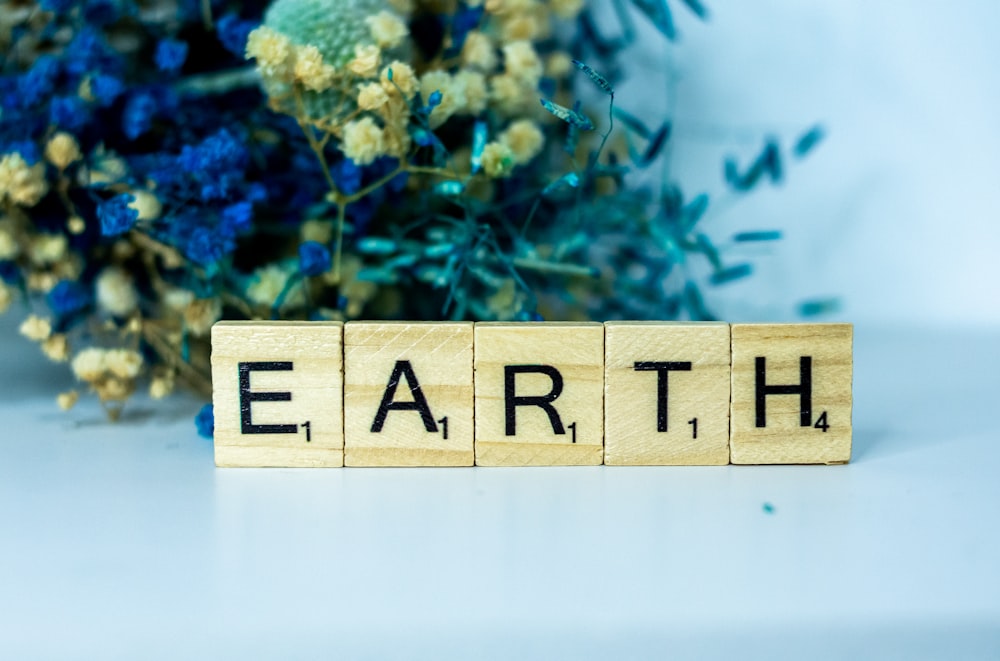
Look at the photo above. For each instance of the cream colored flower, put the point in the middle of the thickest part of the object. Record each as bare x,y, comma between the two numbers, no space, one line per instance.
558,65
8,246
363,141
123,363
56,348
475,93
312,71
48,248
452,95
20,183
320,231
372,96
366,61
115,291
68,399
62,150
76,225
271,49
525,140
387,29
522,62
35,328
498,160
161,386
146,203
403,79
89,364
201,314
268,283
478,52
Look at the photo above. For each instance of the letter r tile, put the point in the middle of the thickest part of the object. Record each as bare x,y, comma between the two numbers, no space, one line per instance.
539,394
666,393
408,394
791,393
278,393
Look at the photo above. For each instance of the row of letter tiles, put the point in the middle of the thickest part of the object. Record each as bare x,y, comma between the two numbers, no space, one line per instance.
327,394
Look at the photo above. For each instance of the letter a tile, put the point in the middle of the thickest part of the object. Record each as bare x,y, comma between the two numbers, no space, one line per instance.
791,393
666,393
539,394
278,393
408,394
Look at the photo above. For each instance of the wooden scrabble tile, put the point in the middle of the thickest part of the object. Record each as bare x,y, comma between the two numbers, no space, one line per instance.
278,393
791,393
539,394
666,393
408,394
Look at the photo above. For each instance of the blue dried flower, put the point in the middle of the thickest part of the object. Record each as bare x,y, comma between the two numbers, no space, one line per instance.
232,32
205,421
68,112
138,116
237,218
67,297
116,216
170,55
106,89
206,247
39,81
314,258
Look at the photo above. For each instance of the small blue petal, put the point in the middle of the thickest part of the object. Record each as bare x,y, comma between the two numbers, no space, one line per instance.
204,422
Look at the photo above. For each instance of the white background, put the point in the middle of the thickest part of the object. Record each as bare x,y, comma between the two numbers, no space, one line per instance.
897,212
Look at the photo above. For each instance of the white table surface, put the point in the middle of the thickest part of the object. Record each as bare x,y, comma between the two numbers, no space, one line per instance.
124,541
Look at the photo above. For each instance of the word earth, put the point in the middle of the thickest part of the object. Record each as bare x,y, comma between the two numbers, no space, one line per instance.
530,394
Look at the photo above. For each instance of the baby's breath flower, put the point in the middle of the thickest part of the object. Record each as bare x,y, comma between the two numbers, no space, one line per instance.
201,313
115,292
372,96
521,61
20,183
366,61
320,231
89,364
498,160
68,399
525,140
452,95
161,386
403,78
35,328
62,150
312,71
48,248
559,64
520,27
112,389
147,204
508,94
56,348
476,95
9,248
177,299
387,29
123,363
397,140
479,52
76,225
271,49
268,283
363,141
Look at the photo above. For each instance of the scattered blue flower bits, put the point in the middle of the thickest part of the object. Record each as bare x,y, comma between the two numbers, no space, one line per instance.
318,159
767,508
204,422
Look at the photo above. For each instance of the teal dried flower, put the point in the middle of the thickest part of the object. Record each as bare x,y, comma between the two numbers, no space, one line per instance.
334,27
